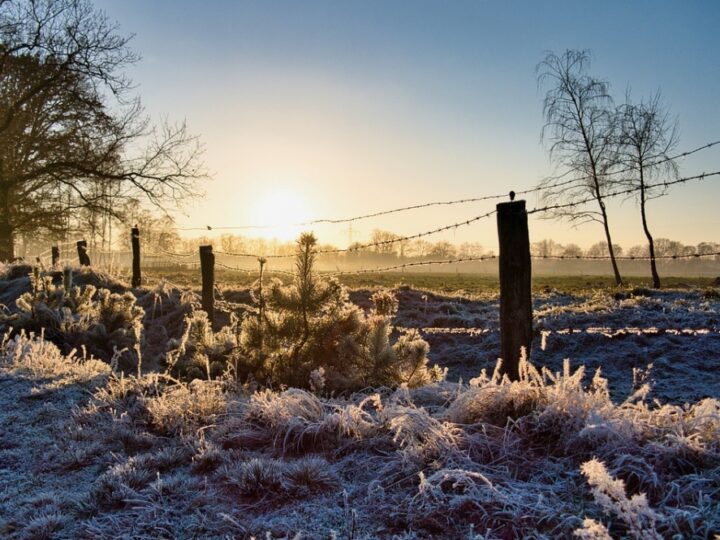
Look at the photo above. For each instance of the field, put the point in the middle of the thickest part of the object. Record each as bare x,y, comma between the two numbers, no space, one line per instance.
594,447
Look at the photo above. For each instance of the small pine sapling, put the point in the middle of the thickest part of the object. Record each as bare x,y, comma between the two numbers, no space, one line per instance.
310,325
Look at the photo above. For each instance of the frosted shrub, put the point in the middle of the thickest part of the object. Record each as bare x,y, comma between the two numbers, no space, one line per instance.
311,324
421,437
42,358
183,408
592,530
553,405
310,474
201,353
72,317
385,303
259,477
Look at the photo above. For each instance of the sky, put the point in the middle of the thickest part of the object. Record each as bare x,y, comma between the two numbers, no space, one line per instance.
330,109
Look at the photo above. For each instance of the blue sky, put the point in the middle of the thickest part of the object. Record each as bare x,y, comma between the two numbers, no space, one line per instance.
325,109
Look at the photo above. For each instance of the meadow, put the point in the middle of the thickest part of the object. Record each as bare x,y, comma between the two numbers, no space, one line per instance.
590,443
455,283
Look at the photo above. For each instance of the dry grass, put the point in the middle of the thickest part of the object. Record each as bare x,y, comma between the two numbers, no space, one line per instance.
543,456
86,452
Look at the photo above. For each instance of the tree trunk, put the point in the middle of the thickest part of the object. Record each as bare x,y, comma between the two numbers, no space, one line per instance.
7,244
618,279
7,233
651,242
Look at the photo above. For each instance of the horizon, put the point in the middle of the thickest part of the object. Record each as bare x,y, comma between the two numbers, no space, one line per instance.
328,111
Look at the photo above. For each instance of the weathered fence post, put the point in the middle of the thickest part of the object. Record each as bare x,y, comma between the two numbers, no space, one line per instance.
135,239
515,284
82,253
55,250
207,268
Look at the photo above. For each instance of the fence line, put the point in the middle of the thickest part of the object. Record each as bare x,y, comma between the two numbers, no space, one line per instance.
605,331
621,192
408,265
358,247
627,257
101,255
456,225
446,203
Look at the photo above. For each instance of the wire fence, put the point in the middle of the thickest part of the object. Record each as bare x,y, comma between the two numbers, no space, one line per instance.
161,257
539,188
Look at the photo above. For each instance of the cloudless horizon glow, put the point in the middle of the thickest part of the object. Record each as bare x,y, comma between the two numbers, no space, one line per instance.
359,106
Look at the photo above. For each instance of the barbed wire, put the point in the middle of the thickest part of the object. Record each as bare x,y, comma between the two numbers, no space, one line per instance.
252,255
626,257
176,255
247,271
408,265
547,208
620,171
235,269
359,247
443,203
605,331
627,191
668,158
490,257
355,218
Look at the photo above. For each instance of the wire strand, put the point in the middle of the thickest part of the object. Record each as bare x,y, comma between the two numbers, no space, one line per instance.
445,203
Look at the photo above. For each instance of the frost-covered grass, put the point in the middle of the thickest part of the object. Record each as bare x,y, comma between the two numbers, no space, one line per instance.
566,452
88,454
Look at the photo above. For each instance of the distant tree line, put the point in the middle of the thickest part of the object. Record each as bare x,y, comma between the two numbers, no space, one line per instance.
664,247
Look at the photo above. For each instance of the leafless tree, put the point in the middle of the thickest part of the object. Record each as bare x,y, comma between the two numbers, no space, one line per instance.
580,126
647,135
600,249
545,248
390,246
572,250
69,121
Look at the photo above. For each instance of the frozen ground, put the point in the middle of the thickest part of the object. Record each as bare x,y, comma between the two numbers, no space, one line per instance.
678,331
85,453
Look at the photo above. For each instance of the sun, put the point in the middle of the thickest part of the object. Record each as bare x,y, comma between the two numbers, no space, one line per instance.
281,211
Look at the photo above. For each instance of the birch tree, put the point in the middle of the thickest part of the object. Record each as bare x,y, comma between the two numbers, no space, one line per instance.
647,135
579,127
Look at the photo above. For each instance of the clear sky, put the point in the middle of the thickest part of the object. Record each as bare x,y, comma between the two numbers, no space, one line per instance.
337,108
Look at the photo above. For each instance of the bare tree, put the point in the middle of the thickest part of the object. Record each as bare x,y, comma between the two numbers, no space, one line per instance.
600,249
647,135
545,248
443,250
579,125
387,241
68,123
572,250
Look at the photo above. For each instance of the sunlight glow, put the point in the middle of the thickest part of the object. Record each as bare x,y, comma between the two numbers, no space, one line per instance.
280,209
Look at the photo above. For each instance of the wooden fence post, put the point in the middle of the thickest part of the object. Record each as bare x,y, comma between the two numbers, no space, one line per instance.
515,285
207,268
82,253
135,239
55,255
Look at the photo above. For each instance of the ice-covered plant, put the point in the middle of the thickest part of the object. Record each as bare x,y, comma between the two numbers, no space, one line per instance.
311,324
73,317
200,352
609,493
